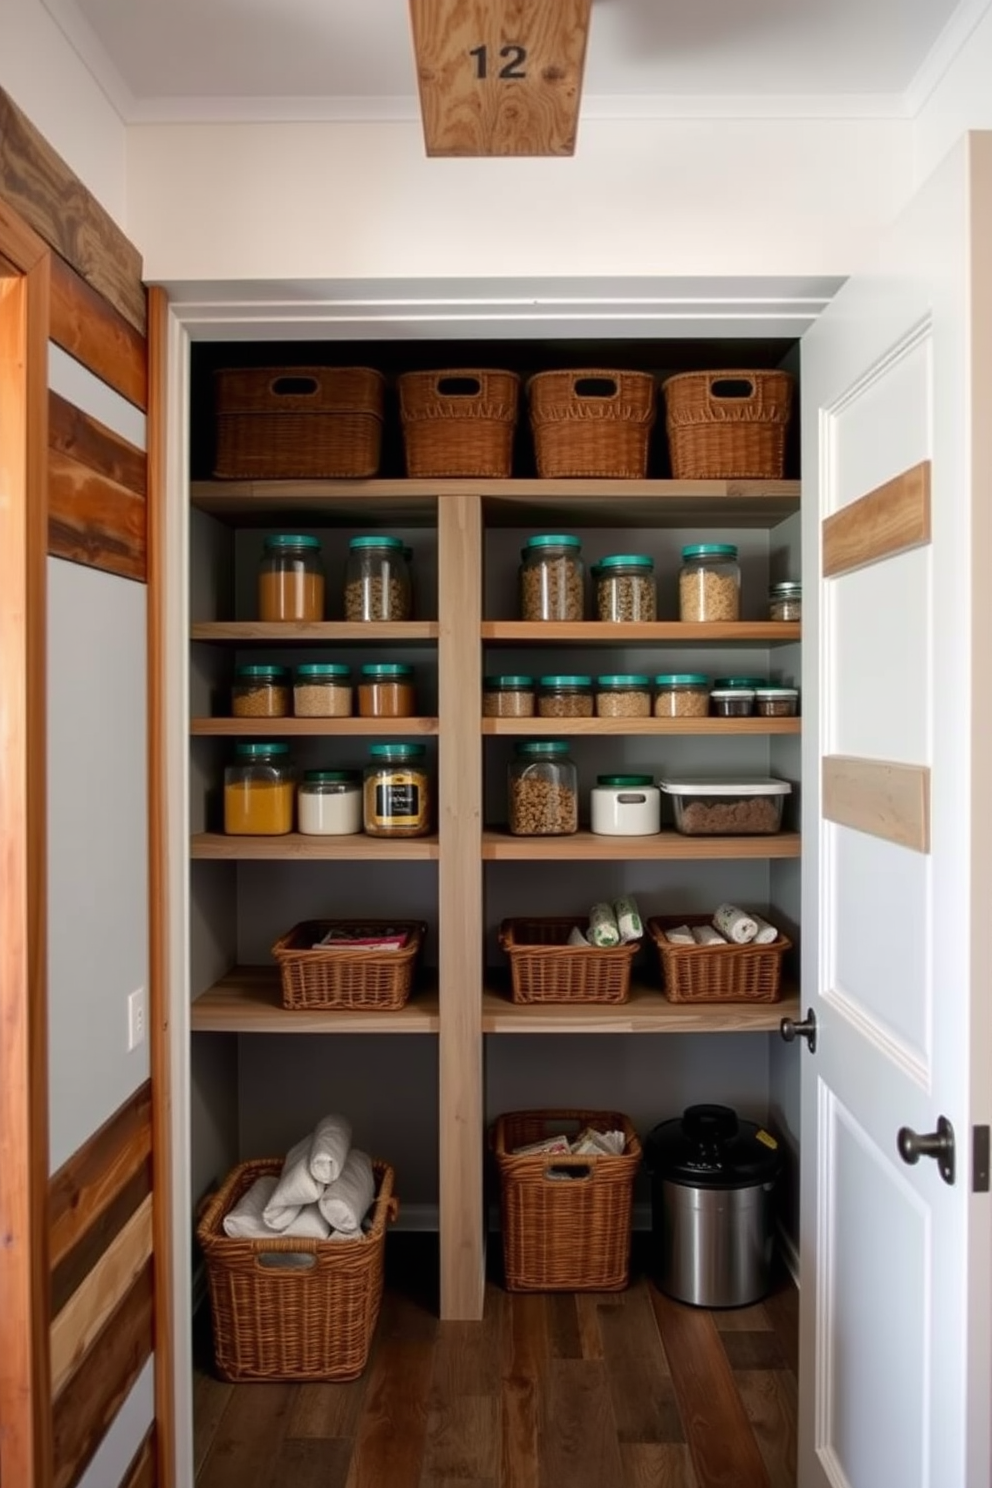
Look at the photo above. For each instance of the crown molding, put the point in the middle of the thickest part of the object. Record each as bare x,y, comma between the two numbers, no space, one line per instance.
945,49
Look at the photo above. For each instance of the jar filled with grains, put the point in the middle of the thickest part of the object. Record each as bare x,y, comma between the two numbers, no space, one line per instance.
709,583
329,803
386,690
681,695
291,579
732,702
259,791
508,696
785,601
776,702
551,578
625,588
322,690
564,697
377,580
623,695
543,790
260,692
397,791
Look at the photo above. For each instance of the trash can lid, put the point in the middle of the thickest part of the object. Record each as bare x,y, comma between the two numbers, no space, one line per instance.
709,1147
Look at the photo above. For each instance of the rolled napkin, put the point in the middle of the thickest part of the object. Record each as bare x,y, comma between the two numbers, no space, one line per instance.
734,924
707,935
329,1148
603,929
576,937
628,918
679,935
246,1220
295,1188
767,934
345,1202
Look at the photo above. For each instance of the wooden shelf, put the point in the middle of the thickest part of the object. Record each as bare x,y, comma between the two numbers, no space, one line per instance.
588,847
648,1011
247,1000
713,727
643,633
294,846
274,727
309,632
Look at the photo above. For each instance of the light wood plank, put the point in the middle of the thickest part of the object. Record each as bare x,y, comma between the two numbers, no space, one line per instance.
889,520
296,847
521,97
648,633
248,1000
91,330
77,1265
667,846
73,432
581,727
265,728
647,1011
94,521
340,632
96,1173
885,800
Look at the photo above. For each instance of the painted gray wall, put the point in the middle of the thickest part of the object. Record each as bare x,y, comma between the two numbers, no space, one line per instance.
127,1431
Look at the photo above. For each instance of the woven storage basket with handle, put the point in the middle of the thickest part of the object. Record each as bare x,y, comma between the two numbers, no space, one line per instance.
289,1309
336,977
459,421
565,1234
727,425
544,968
298,423
716,973
592,422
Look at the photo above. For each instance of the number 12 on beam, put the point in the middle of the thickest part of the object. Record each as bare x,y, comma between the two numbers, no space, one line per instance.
513,58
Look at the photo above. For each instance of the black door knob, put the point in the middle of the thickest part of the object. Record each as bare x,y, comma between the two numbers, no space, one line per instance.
791,1030
938,1145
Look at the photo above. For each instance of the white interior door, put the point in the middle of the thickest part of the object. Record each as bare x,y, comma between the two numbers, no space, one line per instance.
895,1263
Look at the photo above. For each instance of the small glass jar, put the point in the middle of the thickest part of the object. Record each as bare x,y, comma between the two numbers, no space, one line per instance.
329,803
322,690
681,695
625,588
543,790
623,695
291,579
564,697
508,696
259,791
732,702
748,683
551,578
377,580
710,584
396,791
385,690
785,601
776,702
625,806
260,692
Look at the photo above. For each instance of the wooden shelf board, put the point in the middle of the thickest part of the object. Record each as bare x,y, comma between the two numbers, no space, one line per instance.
648,1011
297,847
248,1000
338,632
650,633
274,727
717,727
500,846
324,503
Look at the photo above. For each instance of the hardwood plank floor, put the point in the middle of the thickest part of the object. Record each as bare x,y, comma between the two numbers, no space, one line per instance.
612,1390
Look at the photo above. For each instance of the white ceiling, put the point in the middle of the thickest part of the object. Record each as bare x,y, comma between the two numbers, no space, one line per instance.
176,59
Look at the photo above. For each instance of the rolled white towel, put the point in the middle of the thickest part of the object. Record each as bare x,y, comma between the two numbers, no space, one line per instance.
295,1188
707,935
346,1201
767,934
246,1220
329,1148
738,926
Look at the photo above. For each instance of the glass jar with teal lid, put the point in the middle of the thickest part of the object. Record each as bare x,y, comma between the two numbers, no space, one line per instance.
623,695
322,689
259,790
385,690
710,584
625,588
508,695
291,578
260,691
543,790
565,695
377,579
552,578
329,803
397,791
681,695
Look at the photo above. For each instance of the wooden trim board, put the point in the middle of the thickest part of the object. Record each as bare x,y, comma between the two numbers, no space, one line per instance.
885,800
89,328
889,520
73,432
92,1178
94,521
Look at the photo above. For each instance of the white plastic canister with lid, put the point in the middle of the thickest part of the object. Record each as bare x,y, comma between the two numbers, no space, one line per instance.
625,806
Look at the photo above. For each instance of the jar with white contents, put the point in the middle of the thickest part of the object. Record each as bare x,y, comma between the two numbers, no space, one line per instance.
329,803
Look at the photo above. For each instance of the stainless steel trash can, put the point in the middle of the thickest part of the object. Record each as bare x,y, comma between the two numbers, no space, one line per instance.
712,1183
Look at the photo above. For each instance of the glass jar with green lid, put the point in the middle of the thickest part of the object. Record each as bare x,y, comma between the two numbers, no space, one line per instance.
385,690
564,696
396,791
260,692
625,588
623,695
322,690
681,695
291,578
543,790
329,803
747,683
259,791
710,584
377,580
552,578
785,601
509,695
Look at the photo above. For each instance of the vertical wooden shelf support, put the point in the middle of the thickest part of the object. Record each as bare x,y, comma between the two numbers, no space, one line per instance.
461,1113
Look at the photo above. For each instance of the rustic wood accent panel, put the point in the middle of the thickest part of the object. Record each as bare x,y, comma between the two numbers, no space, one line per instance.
500,78
54,202
72,432
889,520
98,1388
89,329
77,1265
141,1472
93,1177
93,520
880,798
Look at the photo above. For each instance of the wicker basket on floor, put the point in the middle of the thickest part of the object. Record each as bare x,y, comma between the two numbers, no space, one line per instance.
727,425
592,422
459,421
292,1309
716,973
565,1234
352,980
544,968
298,423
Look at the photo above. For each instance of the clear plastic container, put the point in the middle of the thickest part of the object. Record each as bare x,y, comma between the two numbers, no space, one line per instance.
259,791
329,803
322,690
625,806
397,791
260,692
543,790
732,702
625,588
623,695
748,683
681,695
291,579
562,696
785,601
710,583
377,580
510,695
386,690
551,578
727,808
776,702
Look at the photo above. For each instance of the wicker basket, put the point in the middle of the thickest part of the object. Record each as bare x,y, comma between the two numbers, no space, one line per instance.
288,1309
332,977
727,425
459,421
592,422
717,973
546,969
298,423
565,1234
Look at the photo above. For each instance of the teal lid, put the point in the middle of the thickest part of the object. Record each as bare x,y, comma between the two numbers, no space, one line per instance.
383,669
565,681
333,777
551,540
323,669
624,679
543,746
377,542
508,679
396,751
627,560
292,540
262,672
681,679
710,550
256,751
625,781
747,682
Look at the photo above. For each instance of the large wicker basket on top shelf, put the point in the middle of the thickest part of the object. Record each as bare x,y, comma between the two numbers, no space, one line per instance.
727,425
298,423
459,421
716,973
592,422
355,981
545,968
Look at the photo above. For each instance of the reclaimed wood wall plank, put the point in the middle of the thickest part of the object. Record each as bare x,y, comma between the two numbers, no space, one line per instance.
73,1269
141,1472
94,1175
889,520
73,432
886,800
94,521
92,331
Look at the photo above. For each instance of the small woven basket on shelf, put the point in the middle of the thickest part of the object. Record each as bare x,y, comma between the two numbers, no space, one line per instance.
727,425
293,1309
565,1234
298,423
459,422
544,968
716,973
592,422
353,980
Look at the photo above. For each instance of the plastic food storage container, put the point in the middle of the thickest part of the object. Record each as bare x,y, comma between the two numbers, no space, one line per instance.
732,702
397,791
543,790
681,695
785,601
291,579
260,692
710,583
510,695
564,697
625,588
776,702
551,578
259,791
322,690
385,690
329,803
733,808
377,580
623,695
625,806
748,683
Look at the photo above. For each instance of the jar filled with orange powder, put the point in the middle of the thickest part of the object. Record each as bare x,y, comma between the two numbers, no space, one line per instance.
291,578
259,791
